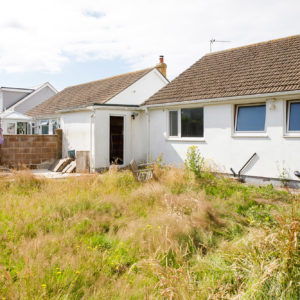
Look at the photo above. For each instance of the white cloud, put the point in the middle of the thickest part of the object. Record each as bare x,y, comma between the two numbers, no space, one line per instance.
43,35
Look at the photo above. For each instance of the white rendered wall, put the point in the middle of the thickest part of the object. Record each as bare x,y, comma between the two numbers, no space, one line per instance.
141,90
76,131
134,137
274,151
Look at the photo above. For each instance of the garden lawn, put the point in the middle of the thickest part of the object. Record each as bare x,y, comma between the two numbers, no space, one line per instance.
175,237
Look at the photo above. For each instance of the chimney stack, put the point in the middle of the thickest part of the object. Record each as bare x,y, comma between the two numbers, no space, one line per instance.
162,67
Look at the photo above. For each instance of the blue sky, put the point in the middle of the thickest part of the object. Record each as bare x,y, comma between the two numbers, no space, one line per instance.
70,74
67,42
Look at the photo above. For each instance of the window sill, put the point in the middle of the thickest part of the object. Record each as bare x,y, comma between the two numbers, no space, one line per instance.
292,135
185,139
250,135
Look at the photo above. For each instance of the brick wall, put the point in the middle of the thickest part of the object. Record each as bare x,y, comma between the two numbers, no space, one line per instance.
30,150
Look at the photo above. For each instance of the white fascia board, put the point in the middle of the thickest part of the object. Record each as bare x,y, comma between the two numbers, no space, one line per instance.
50,86
7,89
47,117
104,107
227,100
46,84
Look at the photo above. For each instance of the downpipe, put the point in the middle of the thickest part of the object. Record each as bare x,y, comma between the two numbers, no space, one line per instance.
92,125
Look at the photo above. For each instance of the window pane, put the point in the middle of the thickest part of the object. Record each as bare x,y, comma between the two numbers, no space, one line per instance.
11,128
192,122
294,116
22,128
45,129
173,123
251,118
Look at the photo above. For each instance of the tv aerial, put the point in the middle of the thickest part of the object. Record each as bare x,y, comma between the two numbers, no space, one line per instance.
212,41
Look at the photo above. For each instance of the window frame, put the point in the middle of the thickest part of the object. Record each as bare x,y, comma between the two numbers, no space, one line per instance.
248,132
178,126
288,111
179,137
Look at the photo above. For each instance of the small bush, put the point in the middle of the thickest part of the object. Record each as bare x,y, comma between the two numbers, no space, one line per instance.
194,162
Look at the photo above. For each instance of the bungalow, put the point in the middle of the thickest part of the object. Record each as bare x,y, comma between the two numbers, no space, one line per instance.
16,102
241,107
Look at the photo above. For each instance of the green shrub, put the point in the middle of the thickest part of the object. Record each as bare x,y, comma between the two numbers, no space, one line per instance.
194,162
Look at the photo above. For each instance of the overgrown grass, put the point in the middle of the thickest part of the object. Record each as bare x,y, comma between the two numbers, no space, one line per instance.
176,237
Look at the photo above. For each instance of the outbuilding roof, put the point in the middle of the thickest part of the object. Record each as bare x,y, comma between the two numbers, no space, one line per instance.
272,66
98,91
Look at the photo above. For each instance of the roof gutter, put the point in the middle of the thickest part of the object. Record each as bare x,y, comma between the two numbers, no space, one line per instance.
256,97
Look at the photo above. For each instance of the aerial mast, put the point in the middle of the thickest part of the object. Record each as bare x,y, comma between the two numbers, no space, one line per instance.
215,41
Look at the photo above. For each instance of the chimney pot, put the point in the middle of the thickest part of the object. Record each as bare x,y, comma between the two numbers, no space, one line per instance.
161,59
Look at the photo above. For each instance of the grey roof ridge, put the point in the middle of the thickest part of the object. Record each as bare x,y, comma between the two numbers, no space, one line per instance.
251,45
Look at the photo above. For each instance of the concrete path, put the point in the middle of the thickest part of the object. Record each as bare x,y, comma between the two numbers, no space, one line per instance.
49,174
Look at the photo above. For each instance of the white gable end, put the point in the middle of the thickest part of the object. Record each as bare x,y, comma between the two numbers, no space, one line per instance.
40,95
141,90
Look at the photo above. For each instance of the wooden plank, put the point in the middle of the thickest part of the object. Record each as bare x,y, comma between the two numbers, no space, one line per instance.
72,167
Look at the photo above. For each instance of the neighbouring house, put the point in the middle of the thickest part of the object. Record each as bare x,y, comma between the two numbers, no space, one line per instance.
241,107
105,117
16,102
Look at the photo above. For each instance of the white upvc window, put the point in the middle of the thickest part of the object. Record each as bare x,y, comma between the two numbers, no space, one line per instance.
293,116
48,126
186,123
18,127
250,118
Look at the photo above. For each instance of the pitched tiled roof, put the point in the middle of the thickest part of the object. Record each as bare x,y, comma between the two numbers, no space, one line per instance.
89,93
267,67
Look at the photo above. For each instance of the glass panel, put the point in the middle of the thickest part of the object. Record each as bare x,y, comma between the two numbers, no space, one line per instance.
173,123
11,128
22,128
32,128
192,122
251,118
45,129
294,117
